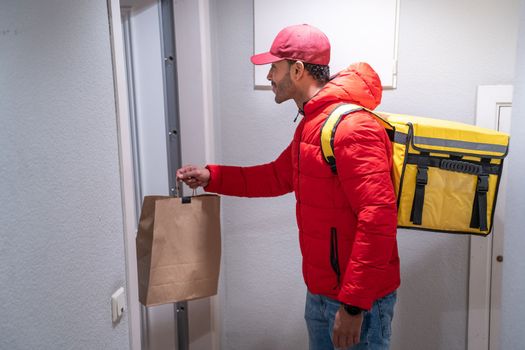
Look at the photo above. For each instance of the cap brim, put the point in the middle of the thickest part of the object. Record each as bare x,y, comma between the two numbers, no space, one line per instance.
264,58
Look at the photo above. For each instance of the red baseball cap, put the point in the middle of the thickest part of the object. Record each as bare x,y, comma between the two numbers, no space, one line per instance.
301,42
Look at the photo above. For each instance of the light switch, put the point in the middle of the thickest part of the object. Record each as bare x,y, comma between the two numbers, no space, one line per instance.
118,304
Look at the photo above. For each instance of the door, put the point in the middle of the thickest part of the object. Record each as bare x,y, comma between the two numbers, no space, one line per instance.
143,61
486,253
141,36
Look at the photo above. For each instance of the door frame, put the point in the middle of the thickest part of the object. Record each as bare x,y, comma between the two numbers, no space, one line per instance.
481,273
127,178
202,54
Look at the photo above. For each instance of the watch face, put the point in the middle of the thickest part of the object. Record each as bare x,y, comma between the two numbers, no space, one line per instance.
352,310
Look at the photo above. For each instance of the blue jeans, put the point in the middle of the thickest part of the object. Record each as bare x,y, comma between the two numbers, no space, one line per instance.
375,332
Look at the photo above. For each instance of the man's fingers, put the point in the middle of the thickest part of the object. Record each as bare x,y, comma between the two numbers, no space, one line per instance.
356,339
342,340
180,173
337,342
189,174
193,176
348,341
186,170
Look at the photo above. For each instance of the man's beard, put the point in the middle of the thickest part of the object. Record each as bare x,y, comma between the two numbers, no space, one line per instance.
283,89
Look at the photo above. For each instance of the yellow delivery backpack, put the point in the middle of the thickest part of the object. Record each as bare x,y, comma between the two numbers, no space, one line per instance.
446,174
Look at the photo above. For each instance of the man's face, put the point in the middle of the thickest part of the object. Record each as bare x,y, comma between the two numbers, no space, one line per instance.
279,76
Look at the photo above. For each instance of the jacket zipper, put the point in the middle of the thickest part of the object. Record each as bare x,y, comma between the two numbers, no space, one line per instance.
334,255
299,155
298,170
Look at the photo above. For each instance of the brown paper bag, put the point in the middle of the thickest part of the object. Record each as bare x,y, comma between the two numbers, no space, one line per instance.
178,248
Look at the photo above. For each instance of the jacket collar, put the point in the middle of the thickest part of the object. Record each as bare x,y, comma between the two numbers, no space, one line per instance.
357,84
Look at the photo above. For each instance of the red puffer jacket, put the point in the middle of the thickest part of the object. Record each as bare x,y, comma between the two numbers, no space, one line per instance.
347,222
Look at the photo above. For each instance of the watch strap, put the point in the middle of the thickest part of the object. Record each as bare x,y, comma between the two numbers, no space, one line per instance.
352,310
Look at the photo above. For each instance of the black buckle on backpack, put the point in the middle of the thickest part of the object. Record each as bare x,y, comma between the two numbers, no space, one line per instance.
422,175
483,183
416,214
479,208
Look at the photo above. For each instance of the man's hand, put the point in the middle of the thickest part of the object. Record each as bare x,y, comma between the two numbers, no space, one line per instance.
347,328
193,176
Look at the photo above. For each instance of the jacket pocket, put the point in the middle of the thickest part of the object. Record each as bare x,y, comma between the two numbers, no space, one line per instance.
334,255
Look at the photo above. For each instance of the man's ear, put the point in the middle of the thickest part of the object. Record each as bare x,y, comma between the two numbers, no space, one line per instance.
297,70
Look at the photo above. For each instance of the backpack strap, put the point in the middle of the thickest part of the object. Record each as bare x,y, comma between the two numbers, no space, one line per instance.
416,214
479,209
332,122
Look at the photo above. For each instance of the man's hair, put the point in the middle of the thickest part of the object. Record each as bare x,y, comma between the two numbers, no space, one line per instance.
319,72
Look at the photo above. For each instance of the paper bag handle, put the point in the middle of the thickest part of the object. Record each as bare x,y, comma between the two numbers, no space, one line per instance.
178,193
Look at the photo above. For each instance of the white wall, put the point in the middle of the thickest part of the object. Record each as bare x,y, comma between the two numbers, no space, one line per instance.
446,49
513,310
61,239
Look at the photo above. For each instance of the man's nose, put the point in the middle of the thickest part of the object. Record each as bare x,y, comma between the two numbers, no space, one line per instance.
269,75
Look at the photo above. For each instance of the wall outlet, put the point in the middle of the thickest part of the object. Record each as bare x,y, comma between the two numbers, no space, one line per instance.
118,304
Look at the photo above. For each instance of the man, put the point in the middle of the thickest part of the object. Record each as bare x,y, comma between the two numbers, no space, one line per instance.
347,221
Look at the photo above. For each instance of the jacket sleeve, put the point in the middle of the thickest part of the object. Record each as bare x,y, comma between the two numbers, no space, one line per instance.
266,180
363,156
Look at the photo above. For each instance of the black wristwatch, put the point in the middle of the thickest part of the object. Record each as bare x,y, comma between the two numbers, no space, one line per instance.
352,310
